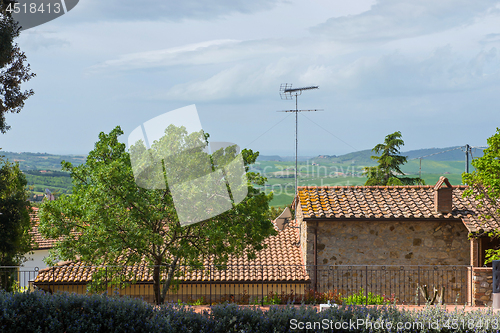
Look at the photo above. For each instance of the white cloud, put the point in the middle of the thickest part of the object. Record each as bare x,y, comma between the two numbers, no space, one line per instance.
397,74
198,53
242,80
394,19
151,10
35,40
204,53
491,38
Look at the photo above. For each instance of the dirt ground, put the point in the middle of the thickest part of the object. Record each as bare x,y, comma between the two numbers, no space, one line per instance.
450,308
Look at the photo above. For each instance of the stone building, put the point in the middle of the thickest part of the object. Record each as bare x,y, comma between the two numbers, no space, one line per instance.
396,227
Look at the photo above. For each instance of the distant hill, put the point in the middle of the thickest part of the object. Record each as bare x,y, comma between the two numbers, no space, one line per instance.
456,153
431,154
358,157
42,161
282,158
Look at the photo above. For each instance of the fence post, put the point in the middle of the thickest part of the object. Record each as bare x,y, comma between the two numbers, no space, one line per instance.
471,286
34,278
418,285
366,284
210,282
262,283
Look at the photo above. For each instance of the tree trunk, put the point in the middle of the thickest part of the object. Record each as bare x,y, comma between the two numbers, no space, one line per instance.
168,281
156,284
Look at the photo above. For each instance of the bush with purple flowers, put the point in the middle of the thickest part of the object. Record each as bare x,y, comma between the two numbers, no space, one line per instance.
66,313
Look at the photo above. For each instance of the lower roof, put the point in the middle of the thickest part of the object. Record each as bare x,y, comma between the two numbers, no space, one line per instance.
281,260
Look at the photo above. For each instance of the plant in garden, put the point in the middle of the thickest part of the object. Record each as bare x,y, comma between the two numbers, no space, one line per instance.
436,296
272,299
369,299
312,296
334,296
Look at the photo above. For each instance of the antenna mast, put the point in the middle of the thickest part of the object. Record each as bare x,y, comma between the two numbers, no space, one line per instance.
287,92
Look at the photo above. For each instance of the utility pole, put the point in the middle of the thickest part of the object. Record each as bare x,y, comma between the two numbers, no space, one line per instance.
467,149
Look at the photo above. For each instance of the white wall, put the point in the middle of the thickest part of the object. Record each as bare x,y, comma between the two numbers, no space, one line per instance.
27,270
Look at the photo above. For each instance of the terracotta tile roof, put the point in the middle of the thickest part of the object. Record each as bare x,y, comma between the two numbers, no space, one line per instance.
280,261
388,202
39,242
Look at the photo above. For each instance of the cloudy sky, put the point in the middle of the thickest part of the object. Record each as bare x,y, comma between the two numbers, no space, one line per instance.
430,69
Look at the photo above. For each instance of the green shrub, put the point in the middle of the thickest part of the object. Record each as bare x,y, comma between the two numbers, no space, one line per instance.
42,312
361,298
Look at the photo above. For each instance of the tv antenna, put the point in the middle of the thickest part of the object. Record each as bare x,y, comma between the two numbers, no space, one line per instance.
287,92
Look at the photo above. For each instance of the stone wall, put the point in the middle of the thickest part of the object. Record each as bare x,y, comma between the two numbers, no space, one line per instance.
367,242
482,288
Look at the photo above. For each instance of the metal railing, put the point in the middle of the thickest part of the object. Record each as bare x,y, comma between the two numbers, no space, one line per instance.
16,278
398,283
261,284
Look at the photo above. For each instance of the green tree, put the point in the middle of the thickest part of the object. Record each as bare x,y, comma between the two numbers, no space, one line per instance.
13,70
109,220
484,186
388,171
15,223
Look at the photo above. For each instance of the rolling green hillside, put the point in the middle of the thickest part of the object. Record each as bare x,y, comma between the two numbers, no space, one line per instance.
55,181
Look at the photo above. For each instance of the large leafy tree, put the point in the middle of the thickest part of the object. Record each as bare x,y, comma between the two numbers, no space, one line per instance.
110,220
389,159
13,68
15,224
484,186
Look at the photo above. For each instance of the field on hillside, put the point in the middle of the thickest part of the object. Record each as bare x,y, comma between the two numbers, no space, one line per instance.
56,181
324,172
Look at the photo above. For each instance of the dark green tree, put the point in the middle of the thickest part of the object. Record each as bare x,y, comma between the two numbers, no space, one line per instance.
13,69
15,223
110,220
484,186
388,171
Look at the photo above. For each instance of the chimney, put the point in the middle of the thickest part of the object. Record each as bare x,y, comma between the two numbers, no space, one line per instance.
443,202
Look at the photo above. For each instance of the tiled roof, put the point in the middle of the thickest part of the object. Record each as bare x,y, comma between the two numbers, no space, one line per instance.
39,242
280,261
388,202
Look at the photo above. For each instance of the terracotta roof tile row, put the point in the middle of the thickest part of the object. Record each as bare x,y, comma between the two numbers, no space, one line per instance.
280,261
39,242
388,202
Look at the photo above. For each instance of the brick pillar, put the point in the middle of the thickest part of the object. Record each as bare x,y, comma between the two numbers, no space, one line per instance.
474,252
482,286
